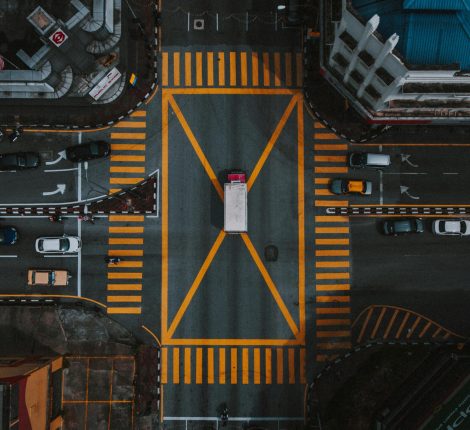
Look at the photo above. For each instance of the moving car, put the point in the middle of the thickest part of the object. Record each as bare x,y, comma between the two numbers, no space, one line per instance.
350,186
58,245
48,277
8,235
451,227
19,161
359,160
88,151
396,227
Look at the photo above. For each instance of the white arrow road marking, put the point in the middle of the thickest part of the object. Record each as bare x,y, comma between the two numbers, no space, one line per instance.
404,190
405,159
60,189
61,170
61,157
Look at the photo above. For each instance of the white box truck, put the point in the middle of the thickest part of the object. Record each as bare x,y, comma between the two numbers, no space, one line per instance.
235,203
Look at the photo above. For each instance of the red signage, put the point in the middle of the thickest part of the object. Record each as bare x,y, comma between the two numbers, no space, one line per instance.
58,37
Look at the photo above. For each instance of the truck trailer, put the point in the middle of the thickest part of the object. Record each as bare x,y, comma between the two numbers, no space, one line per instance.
236,203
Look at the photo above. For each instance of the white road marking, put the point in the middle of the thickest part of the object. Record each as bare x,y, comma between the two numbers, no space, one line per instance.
381,188
43,204
79,262
450,173
60,170
234,418
8,256
60,189
188,20
61,157
404,173
79,185
61,255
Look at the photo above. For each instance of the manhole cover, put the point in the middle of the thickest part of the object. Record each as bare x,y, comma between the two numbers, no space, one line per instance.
270,253
198,24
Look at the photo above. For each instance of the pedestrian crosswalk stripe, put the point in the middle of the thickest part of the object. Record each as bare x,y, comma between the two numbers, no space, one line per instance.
331,219
120,299
332,230
326,147
130,124
127,147
322,181
331,203
332,287
335,299
122,310
335,345
139,113
332,264
165,69
127,264
332,275
124,287
328,169
126,252
126,229
330,158
130,158
114,190
187,69
125,181
176,65
125,241
124,275
128,136
127,169
126,218
332,252
333,322
323,192
326,136
331,241
338,310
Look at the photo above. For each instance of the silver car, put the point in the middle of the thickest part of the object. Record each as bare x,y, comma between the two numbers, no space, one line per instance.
451,227
58,245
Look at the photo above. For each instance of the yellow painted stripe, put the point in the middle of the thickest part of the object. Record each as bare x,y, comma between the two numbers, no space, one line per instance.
124,275
325,357
198,69
326,147
187,365
198,365
279,365
131,136
127,264
266,80
334,345
268,365
254,69
328,264
291,362
126,229
331,203
324,230
332,275
243,69
126,218
323,192
164,364
245,366
126,252
332,287
222,367
114,190
326,136
124,287
298,65
120,299
322,180
131,124
221,65
323,218
127,169
127,147
176,69
125,180
277,69
210,69
333,333
323,311
319,125
233,68
118,310
115,158
165,69
330,158
327,169
176,365
331,241
125,241
141,113
333,321
233,365
329,299
332,253
303,379
210,365
288,61
187,69
256,366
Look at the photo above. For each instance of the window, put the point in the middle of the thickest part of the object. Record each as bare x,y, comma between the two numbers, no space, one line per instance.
357,76
340,60
367,58
384,75
372,92
348,39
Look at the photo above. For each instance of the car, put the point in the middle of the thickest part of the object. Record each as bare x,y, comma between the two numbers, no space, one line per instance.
8,235
48,277
88,151
359,160
451,227
350,186
19,161
397,227
58,244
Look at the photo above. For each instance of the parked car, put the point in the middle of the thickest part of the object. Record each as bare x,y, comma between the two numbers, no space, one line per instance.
19,161
58,245
350,186
88,151
451,227
8,235
396,227
48,277
359,160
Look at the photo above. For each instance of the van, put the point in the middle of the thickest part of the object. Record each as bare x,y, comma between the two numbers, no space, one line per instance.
48,277
359,160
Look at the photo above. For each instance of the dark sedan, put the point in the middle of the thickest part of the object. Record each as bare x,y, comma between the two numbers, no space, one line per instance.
396,227
8,235
88,151
19,161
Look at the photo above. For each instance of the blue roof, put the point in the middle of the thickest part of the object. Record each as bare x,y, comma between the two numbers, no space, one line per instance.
431,31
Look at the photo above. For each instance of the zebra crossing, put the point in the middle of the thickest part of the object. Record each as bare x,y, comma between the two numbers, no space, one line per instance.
332,251
232,365
232,69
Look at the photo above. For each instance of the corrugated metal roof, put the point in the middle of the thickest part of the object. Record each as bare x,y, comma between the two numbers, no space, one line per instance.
437,4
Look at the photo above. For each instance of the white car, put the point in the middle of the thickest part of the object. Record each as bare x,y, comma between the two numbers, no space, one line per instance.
58,245
451,227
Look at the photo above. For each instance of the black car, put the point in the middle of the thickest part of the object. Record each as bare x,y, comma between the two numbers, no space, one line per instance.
8,235
19,160
396,227
88,151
